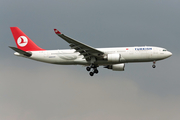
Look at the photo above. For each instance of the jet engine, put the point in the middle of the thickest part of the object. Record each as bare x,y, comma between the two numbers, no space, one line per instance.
113,57
116,67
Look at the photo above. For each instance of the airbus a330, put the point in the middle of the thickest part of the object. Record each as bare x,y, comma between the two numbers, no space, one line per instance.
82,54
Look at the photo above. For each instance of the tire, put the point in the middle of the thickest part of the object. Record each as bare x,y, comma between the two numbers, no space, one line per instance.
96,71
91,73
88,68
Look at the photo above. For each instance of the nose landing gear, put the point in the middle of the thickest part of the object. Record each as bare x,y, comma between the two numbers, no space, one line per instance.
154,66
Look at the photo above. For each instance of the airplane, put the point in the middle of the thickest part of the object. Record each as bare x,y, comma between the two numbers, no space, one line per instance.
82,54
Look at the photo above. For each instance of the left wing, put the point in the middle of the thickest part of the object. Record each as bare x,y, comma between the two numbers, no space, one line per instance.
87,51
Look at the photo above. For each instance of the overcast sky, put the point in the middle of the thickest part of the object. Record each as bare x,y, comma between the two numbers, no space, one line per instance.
31,90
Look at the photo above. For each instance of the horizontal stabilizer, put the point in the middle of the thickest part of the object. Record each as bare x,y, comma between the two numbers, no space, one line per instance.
28,54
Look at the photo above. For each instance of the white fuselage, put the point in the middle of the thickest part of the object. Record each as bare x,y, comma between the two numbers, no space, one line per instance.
128,54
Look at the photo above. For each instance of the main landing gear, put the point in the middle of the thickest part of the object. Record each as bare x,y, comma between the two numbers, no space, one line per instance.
154,66
94,69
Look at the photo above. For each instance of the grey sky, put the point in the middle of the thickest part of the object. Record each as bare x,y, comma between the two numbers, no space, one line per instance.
39,91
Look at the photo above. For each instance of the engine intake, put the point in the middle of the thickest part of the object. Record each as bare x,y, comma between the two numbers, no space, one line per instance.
116,67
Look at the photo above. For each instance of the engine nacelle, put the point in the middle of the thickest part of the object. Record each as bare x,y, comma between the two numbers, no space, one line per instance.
116,67
113,57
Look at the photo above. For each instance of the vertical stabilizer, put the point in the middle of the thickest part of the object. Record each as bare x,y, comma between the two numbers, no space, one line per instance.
23,42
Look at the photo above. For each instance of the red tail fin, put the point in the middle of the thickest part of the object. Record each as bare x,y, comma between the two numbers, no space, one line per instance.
23,42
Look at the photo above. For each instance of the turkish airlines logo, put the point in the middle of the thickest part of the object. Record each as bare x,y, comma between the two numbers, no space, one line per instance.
22,41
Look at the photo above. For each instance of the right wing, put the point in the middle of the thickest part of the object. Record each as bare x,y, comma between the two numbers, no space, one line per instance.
87,51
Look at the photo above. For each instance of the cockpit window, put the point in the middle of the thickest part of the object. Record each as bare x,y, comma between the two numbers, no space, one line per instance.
164,50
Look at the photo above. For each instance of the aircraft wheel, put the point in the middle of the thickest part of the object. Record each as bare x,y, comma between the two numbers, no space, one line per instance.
88,68
154,66
96,71
91,73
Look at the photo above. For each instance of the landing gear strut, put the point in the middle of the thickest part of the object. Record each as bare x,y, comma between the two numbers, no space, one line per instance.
95,70
154,66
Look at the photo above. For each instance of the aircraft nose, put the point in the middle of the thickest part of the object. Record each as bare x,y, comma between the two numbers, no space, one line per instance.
169,54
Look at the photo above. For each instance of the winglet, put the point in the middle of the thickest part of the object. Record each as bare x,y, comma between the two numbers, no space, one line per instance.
56,31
